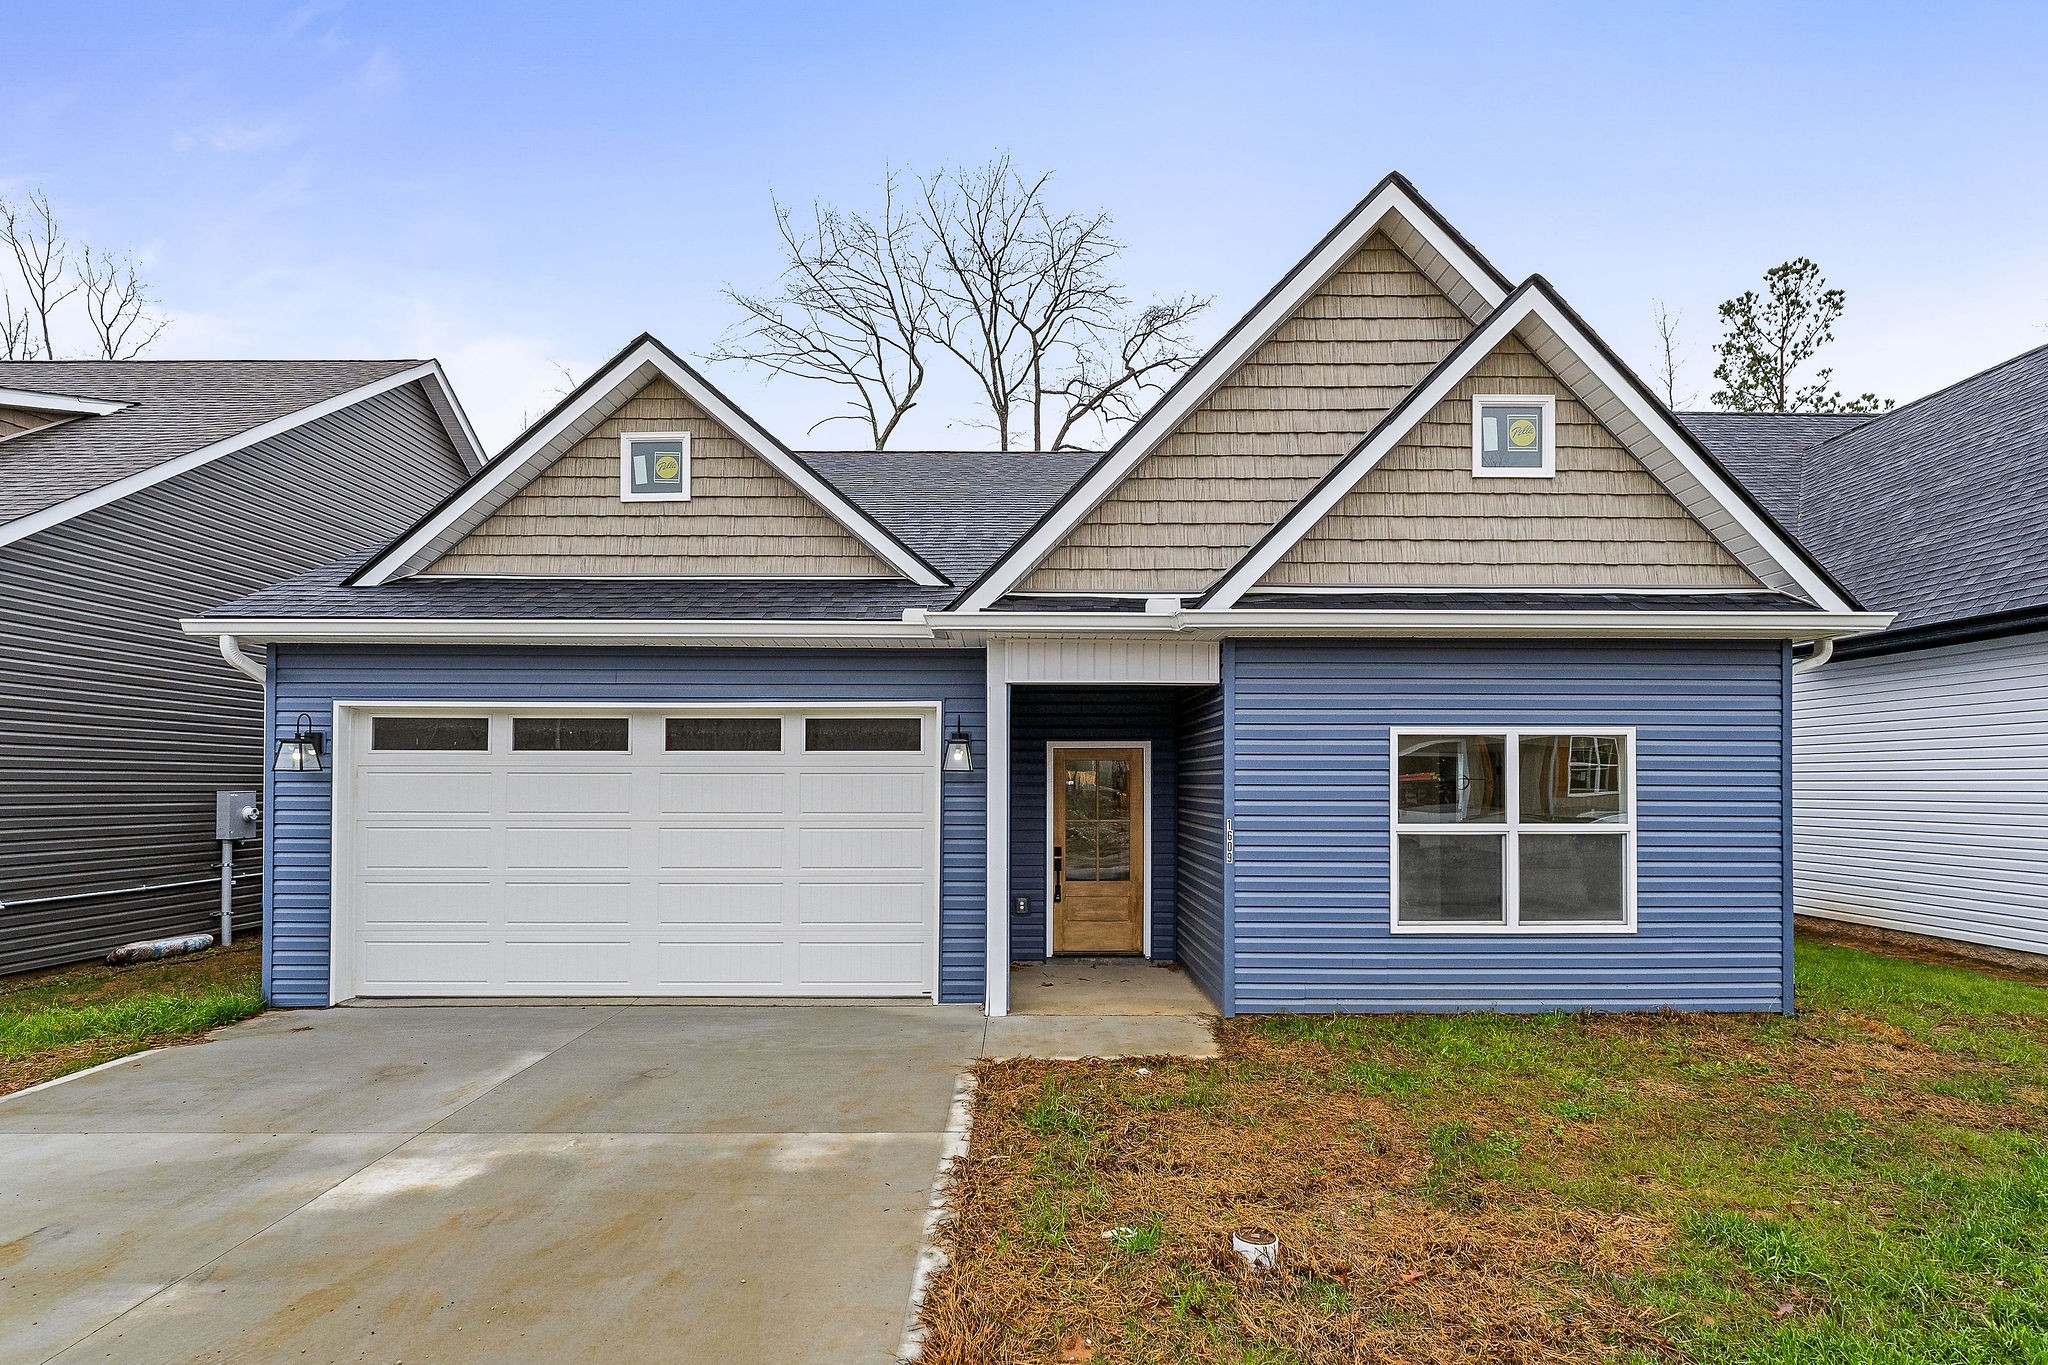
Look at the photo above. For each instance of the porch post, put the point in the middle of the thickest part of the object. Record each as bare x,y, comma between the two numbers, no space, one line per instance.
996,991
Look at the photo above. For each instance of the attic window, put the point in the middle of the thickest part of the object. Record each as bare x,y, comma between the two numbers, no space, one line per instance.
654,466
1514,436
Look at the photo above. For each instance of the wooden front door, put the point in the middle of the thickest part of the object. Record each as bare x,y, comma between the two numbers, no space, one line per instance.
1098,850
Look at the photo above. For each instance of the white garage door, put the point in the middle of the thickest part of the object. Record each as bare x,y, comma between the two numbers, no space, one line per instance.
588,852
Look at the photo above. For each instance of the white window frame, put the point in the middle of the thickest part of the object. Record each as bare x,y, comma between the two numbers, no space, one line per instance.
1511,828
1547,402
626,439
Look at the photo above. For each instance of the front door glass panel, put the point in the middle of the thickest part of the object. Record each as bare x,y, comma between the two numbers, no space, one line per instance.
1098,828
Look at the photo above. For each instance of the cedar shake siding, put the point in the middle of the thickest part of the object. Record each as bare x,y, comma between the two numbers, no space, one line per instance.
1275,427
1421,518
743,518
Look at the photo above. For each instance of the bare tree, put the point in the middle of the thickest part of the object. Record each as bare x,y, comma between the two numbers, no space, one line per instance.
117,306
1668,355
854,310
1109,383
1025,298
17,334
42,256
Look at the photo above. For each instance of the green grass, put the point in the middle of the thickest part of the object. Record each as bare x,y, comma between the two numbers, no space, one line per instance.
52,1023
1866,1181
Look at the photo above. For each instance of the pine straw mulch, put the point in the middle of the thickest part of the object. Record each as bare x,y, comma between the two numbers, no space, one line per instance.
1397,1247
1372,1269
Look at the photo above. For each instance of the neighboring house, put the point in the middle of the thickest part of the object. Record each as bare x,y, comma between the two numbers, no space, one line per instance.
1406,655
1921,799
133,493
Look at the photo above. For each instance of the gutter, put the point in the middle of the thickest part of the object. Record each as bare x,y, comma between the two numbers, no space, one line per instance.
922,627
231,650
1823,650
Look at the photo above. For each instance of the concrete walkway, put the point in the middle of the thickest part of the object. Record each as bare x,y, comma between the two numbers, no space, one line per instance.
500,1183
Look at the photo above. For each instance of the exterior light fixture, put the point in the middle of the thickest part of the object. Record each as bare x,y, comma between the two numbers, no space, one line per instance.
300,753
959,750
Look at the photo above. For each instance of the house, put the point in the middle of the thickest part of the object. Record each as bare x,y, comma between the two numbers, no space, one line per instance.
134,493
1920,800
1406,655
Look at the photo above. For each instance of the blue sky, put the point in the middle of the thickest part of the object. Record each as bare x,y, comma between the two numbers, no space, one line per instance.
516,187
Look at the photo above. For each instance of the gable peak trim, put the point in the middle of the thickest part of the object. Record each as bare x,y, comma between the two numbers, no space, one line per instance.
639,362
1394,198
1759,543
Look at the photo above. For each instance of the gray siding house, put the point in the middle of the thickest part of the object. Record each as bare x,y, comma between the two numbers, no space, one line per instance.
132,494
1921,754
1407,655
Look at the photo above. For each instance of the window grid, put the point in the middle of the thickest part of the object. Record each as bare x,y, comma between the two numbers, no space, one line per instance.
1510,829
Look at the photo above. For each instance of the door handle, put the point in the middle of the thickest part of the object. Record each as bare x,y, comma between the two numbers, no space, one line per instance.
1057,879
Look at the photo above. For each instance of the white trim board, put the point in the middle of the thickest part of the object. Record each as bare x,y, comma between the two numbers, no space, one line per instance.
1535,314
603,394
967,630
1392,206
428,373
37,401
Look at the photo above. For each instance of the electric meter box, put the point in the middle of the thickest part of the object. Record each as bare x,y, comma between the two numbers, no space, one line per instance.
237,815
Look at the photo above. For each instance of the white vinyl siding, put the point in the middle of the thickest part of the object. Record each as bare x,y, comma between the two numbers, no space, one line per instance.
1920,792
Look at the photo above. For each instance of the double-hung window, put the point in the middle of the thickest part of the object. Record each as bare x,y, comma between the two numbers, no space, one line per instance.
1513,830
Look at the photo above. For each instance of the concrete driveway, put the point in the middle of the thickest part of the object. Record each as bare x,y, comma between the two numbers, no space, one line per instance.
485,1183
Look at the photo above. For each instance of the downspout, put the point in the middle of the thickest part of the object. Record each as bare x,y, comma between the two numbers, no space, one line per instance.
242,663
1823,650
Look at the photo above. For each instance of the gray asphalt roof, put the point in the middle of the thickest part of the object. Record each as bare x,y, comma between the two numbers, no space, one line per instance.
176,407
959,510
1936,510
1760,449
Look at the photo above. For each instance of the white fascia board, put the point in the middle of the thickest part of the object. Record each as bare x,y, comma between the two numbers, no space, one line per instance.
1445,622
1530,302
447,405
38,401
170,469
564,630
411,553
1222,361
1677,625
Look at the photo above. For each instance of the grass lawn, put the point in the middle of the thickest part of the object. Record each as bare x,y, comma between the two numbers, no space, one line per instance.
1865,1182
60,1021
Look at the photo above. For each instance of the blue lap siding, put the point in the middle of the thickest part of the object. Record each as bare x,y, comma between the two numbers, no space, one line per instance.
1200,851
1042,715
1309,796
306,678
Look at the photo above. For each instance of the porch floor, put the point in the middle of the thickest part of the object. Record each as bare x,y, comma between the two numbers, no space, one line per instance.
1104,986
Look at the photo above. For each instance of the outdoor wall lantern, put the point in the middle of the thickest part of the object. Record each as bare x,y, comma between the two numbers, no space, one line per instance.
300,753
959,750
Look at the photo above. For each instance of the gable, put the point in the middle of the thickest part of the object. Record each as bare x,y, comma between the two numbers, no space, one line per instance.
15,421
744,517
1267,435
1422,518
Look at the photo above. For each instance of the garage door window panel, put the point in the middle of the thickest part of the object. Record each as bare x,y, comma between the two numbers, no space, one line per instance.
569,734
430,734
863,734
724,734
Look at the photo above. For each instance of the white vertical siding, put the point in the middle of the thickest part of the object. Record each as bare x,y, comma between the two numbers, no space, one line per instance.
1920,792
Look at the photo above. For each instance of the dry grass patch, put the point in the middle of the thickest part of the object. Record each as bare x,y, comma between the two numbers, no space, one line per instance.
1866,1182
